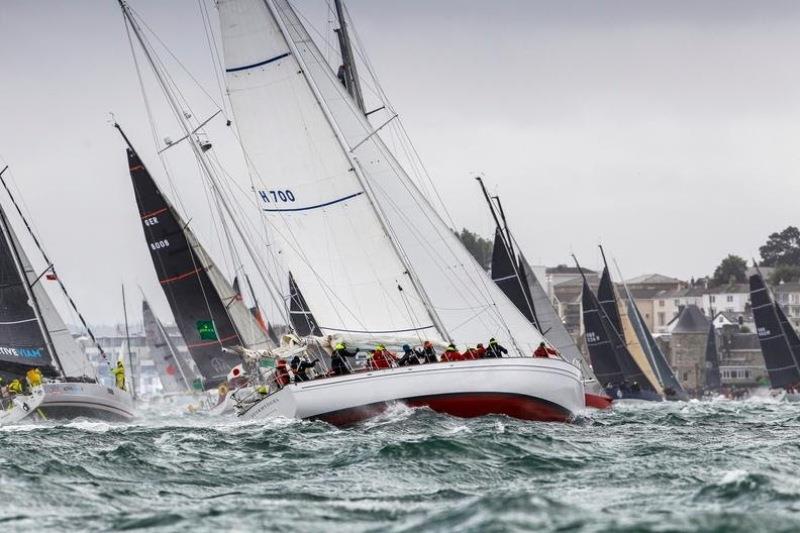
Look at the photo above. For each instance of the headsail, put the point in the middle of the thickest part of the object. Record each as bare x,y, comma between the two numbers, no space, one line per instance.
504,274
669,382
184,271
303,321
391,265
781,365
23,340
173,376
713,379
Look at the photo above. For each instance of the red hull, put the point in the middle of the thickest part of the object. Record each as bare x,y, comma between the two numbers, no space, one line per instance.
464,406
598,401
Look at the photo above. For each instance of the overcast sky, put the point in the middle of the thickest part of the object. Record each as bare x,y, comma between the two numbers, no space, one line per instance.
666,130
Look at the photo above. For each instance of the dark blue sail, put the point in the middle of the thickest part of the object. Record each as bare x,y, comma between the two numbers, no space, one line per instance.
612,363
781,366
608,301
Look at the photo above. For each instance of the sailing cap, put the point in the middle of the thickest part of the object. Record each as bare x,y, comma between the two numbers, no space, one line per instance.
451,346
406,348
340,346
492,341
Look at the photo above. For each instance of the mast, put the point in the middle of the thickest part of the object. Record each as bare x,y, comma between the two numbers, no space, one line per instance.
52,269
505,237
198,150
128,344
505,224
357,170
6,230
349,74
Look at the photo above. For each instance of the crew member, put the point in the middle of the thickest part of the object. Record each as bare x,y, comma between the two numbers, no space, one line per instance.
495,350
281,373
15,387
338,359
410,357
222,393
428,353
544,351
300,367
480,350
470,353
34,377
381,358
451,354
119,375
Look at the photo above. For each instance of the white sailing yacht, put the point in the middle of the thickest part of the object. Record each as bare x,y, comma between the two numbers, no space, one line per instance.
33,335
374,259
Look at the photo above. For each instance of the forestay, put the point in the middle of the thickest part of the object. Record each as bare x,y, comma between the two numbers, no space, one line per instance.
348,217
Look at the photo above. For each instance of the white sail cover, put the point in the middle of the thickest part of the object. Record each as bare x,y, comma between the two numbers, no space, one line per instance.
69,353
247,327
354,218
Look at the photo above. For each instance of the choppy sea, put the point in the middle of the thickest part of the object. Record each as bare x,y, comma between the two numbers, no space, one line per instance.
697,466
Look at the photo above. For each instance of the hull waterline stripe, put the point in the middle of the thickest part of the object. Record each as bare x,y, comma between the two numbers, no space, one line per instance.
259,64
343,199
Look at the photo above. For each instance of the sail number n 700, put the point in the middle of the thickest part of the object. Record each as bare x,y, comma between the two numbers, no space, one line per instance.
277,196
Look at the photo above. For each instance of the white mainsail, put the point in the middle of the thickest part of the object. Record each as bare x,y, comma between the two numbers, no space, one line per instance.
351,223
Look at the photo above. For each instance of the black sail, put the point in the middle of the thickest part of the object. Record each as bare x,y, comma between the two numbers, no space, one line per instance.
608,301
781,366
505,276
611,361
791,334
669,381
713,377
199,312
22,342
303,321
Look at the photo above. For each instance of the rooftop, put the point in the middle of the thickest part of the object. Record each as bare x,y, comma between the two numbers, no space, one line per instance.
690,320
654,279
730,288
564,269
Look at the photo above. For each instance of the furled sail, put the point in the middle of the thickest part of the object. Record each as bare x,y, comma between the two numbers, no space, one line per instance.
173,376
303,321
713,379
383,261
781,366
184,271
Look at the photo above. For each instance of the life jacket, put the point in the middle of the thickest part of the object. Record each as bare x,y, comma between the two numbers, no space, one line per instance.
15,386
452,355
381,359
544,351
470,354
